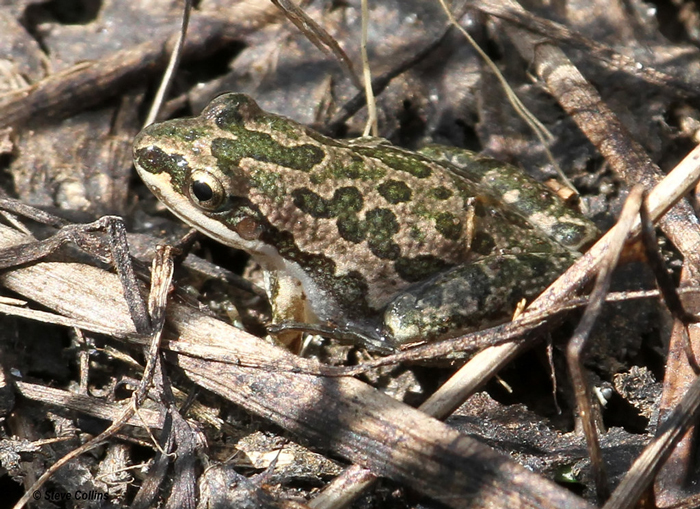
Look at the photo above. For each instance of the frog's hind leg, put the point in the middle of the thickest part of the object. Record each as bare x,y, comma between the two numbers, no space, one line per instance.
521,194
470,297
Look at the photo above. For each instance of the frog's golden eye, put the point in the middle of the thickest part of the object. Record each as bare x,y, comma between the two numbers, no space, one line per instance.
205,190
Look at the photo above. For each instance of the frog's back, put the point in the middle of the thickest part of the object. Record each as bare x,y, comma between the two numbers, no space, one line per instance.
358,224
378,216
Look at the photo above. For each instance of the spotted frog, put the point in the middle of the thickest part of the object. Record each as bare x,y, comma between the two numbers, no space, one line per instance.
389,245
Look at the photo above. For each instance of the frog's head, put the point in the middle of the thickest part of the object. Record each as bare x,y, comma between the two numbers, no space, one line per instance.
216,170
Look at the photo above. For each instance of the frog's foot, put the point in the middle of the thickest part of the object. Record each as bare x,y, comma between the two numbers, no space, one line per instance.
344,334
470,297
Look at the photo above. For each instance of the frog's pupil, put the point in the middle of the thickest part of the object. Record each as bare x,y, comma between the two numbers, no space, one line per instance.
202,191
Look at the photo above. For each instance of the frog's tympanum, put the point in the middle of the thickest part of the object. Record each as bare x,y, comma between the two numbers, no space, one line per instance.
395,245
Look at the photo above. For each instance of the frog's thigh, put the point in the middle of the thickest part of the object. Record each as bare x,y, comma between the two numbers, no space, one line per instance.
470,297
288,304
521,194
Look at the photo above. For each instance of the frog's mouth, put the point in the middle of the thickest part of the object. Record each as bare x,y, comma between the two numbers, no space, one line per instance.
218,230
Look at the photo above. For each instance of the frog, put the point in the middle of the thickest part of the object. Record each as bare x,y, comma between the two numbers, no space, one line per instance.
385,245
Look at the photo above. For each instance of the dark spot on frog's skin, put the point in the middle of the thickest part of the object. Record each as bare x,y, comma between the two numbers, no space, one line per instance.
482,243
440,193
541,267
351,291
346,200
354,170
448,225
227,118
479,209
351,228
231,110
395,191
311,203
384,248
154,160
381,227
419,268
193,133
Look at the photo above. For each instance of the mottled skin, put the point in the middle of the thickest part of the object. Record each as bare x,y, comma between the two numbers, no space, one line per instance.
394,245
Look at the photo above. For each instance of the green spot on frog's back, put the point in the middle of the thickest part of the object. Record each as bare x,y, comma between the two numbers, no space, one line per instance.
262,148
448,225
345,200
440,193
395,191
351,228
382,225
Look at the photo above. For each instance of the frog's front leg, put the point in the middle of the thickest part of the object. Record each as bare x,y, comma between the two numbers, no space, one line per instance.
471,296
288,304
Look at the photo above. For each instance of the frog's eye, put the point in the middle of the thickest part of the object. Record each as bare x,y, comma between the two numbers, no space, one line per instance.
205,190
